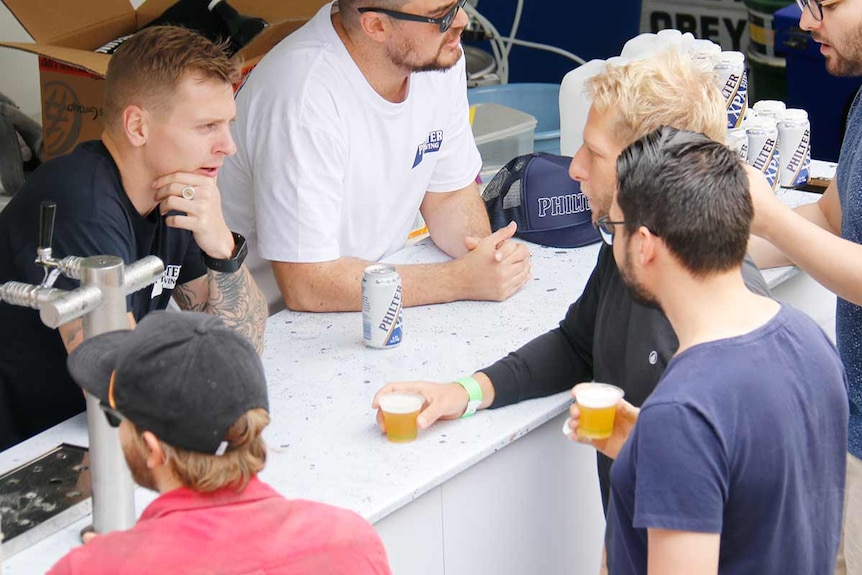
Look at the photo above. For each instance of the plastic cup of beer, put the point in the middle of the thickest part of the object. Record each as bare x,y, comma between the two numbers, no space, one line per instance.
400,411
597,403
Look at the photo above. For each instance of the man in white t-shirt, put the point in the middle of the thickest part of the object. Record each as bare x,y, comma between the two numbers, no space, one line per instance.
346,130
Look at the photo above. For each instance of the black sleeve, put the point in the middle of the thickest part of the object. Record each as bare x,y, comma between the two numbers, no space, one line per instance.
90,219
556,360
193,264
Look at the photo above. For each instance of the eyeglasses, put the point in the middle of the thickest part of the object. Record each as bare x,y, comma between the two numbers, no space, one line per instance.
818,12
606,229
445,21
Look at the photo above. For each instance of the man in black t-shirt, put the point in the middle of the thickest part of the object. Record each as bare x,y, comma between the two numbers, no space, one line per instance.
148,187
606,336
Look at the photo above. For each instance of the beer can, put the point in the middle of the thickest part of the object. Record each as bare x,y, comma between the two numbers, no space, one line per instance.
770,108
733,83
737,140
794,147
381,306
763,152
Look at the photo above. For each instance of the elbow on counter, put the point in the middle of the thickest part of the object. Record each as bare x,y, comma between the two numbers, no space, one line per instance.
306,298
297,298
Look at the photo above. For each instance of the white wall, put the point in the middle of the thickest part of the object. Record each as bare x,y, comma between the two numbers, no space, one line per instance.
19,78
802,292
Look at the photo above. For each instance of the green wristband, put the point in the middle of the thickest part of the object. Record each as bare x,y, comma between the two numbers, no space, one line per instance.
474,391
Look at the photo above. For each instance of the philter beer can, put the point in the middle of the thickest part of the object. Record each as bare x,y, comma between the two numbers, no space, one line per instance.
733,83
794,147
381,306
763,152
771,108
737,140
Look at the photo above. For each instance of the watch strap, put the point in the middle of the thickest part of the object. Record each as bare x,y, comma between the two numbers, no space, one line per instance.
474,392
232,264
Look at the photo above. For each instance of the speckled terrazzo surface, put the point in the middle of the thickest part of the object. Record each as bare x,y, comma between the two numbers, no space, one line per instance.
324,441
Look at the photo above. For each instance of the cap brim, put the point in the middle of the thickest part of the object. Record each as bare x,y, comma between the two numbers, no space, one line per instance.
92,362
574,236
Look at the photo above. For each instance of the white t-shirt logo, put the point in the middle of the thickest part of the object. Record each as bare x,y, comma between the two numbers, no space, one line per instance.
167,281
653,357
432,144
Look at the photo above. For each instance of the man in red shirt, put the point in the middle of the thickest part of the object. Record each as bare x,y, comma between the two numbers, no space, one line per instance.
190,398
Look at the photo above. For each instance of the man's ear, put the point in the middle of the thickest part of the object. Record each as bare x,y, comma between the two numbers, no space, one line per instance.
135,126
374,26
648,245
155,454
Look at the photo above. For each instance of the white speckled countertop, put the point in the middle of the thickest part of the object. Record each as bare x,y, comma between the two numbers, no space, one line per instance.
324,441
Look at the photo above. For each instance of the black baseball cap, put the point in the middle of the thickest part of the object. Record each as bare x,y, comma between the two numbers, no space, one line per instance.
184,376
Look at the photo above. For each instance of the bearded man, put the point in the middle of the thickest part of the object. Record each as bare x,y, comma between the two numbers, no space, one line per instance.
348,129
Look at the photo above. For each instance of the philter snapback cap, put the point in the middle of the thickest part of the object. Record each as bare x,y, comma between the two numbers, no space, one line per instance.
536,192
186,377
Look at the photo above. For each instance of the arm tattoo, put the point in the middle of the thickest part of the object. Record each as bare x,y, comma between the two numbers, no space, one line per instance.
235,298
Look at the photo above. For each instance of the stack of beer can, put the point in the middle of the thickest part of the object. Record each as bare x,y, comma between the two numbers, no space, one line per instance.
768,136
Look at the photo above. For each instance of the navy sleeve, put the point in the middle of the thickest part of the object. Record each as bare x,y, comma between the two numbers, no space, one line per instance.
90,220
682,472
193,264
554,361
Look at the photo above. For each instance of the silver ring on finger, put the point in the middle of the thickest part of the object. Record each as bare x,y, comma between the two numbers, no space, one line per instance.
188,193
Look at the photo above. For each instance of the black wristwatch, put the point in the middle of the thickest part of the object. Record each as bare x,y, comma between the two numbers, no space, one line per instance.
230,265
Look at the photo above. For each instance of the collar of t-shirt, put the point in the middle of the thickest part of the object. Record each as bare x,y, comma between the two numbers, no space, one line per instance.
185,499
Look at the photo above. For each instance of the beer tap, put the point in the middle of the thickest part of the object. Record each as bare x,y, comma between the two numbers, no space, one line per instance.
101,303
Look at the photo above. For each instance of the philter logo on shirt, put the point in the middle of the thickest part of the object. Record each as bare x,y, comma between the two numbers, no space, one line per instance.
431,144
167,281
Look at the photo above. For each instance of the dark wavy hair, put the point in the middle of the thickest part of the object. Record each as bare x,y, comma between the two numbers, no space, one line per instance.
690,191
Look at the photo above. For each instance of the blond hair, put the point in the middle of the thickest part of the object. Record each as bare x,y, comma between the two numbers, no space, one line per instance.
665,89
245,456
148,67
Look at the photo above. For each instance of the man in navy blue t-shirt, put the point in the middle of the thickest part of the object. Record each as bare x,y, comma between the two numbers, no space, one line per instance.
735,463
148,187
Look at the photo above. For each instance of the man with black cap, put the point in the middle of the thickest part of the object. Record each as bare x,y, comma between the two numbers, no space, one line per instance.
189,396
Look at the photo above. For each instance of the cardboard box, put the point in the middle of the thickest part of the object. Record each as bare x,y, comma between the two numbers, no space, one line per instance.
72,74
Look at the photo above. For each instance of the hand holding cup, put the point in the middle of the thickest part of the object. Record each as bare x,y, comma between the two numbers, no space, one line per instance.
600,417
400,411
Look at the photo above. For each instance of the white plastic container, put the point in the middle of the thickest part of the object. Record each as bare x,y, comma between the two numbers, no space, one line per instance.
575,105
501,134
705,53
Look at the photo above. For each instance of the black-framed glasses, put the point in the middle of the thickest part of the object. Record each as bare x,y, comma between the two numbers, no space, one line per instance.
815,7
445,21
113,416
607,229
